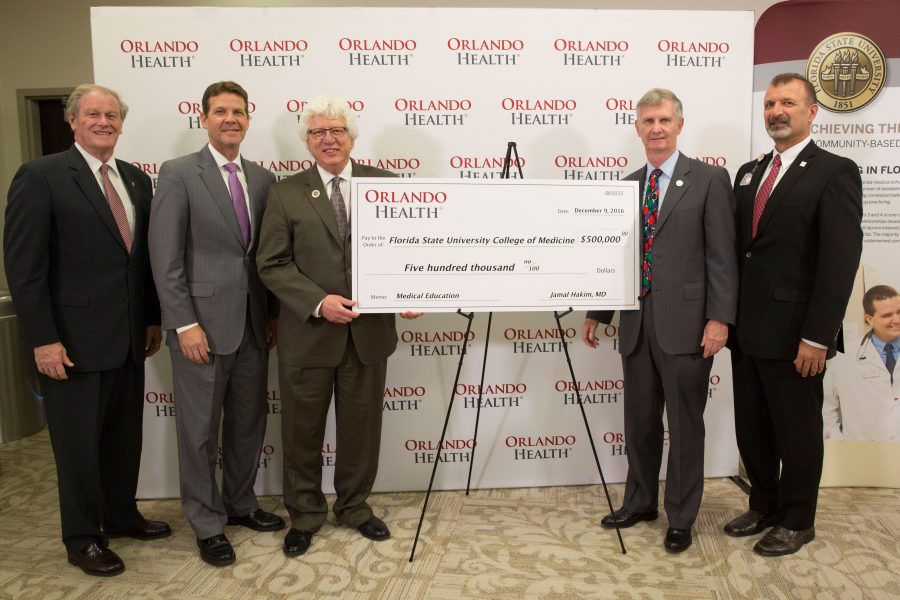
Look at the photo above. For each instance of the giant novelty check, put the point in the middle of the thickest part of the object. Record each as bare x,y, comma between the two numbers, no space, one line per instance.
437,245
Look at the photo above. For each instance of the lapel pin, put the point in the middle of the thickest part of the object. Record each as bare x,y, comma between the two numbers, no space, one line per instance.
679,183
315,194
803,163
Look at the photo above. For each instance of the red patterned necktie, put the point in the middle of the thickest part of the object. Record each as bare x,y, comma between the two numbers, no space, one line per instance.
116,206
649,212
759,204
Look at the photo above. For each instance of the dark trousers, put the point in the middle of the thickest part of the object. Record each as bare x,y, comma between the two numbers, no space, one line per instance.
358,403
95,422
778,418
678,383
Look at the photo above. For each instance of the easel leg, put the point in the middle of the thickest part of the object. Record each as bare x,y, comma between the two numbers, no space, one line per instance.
587,426
437,458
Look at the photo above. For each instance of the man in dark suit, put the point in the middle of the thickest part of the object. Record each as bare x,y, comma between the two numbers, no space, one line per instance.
327,348
204,232
75,249
688,296
799,210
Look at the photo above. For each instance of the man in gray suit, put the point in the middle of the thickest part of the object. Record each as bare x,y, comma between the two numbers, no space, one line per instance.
688,296
204,231
327,347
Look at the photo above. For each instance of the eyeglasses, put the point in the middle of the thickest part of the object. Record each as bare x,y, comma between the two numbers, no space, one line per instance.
336,132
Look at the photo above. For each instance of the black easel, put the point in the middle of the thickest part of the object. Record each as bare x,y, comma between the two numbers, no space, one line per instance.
507,161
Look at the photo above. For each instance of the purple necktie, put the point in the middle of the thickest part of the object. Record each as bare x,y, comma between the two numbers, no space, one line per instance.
239,202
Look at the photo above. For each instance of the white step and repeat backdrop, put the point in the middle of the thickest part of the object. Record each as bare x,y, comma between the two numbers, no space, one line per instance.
439,93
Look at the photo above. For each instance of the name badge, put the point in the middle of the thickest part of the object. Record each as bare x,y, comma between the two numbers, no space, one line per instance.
746,179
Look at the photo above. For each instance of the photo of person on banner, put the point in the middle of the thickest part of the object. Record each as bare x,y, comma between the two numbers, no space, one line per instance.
862,386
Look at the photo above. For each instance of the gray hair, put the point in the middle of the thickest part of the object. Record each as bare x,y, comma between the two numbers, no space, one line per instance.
74,100
655,97
332,107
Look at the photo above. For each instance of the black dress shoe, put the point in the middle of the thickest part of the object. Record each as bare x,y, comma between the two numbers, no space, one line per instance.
145,530
216,550
677,540
780,541
625,518
259,520
375,529
749,523
297,542
97,560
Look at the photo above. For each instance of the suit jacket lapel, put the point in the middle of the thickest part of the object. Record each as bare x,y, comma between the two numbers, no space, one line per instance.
321,203
87,182
212,178
793,174
746,195
674,192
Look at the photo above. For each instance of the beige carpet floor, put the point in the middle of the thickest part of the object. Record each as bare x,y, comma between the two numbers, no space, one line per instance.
513,543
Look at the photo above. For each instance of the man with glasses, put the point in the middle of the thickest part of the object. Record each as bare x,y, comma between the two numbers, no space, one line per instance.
326,347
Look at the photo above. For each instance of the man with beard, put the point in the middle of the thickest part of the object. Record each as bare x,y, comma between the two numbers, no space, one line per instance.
799,210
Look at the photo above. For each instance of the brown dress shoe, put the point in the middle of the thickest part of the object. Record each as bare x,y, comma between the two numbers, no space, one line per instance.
144,530
780,541
749,523
97,560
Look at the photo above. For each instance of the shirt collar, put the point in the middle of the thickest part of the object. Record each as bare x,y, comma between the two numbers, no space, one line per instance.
668,166
880,343
791,153
327,176
221,161
95,163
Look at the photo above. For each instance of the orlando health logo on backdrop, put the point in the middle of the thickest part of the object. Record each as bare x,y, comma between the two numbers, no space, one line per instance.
485,167
259,53
539,111
600,167
364,52
694,54
159,54
591,53
433,112
486,52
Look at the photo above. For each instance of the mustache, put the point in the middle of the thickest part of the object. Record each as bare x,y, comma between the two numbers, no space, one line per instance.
778,121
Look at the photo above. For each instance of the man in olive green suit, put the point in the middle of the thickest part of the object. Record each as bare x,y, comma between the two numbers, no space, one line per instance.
326,347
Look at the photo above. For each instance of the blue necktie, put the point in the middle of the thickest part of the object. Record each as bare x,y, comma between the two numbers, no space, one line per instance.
889,361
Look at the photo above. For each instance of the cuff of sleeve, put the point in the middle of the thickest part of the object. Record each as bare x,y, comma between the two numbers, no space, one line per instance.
815,344
185,328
